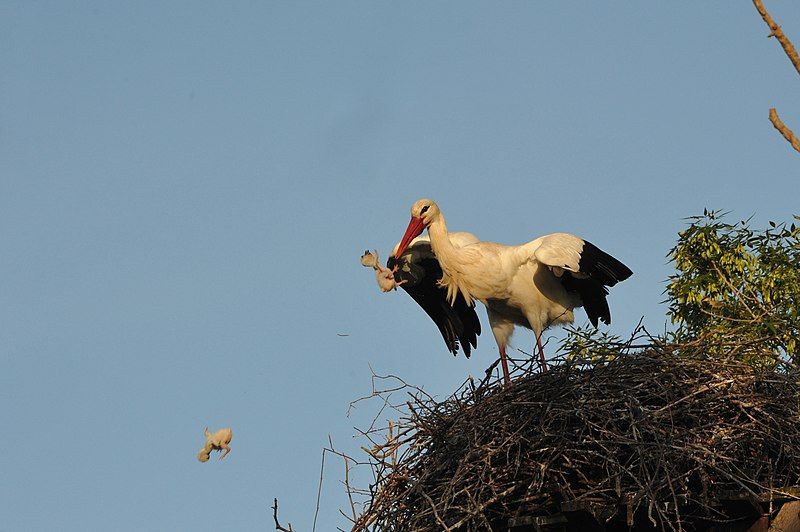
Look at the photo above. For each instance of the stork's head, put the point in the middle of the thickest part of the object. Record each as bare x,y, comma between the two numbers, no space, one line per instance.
423,213
425,209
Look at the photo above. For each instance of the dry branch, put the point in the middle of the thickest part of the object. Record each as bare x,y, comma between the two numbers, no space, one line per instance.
791,53
278,525
777,32
787,133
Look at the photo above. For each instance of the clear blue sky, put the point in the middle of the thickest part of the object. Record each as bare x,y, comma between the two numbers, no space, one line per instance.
186,189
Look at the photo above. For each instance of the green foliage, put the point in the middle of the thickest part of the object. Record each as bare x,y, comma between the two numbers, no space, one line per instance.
738,287
589,343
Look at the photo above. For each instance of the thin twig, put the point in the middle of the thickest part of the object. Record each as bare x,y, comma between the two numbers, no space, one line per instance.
278,525
319,488
346,477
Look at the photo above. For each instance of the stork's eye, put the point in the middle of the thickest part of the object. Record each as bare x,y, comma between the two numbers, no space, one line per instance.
424,209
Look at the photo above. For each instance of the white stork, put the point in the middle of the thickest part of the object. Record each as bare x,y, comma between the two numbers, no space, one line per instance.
534,285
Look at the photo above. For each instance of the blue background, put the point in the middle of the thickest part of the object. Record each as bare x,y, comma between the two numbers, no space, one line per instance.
186,189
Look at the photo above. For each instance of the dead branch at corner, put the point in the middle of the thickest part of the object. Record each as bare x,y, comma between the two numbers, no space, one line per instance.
784,130
791,53
777,32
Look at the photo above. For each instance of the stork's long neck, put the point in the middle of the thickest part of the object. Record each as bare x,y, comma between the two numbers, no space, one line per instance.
448,256
445,251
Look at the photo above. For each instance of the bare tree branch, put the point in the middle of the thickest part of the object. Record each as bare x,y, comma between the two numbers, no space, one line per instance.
319,489
278,525
791,53
346,477
784,129
777,32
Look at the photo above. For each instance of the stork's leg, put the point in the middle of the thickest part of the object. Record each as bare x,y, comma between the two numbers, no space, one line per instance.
502,329
504,363
541,352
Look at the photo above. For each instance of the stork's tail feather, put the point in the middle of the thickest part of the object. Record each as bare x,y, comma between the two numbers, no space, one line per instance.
602,266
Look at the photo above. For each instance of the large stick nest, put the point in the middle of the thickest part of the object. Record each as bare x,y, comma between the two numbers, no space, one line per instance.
664,433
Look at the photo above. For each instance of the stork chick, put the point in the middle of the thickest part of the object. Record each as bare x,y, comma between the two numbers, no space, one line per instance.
383,275
217,441
417,272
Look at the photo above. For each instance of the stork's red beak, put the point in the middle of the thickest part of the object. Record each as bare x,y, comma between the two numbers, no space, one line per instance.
414,229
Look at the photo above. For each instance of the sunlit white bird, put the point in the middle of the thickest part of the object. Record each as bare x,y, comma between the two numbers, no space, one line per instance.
534,285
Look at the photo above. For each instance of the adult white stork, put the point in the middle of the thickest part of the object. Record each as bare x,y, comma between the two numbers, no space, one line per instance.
534,285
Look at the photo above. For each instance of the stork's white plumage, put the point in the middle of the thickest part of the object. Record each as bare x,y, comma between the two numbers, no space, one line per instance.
534,285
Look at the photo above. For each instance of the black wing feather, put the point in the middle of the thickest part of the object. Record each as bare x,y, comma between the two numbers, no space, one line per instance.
458,323
602,266
603,270
593,297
